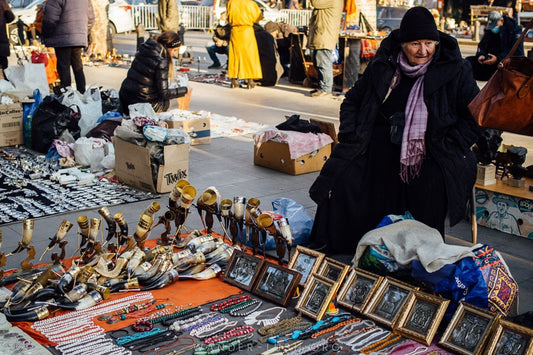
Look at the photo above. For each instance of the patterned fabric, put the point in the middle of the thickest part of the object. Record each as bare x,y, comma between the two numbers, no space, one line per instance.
502,288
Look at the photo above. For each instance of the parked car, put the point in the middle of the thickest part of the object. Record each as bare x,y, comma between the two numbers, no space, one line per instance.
389,17
119,13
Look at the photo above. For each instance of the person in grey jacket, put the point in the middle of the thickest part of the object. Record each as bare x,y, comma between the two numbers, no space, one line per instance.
324,26
66,24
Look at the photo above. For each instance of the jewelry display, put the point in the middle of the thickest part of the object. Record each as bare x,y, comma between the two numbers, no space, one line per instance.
373,336
335,327
232,333
142,326
129,338
153,342
215,329
179,346
191,322
252,318
288,331
170,318
236,306
247,309
280,326
317,347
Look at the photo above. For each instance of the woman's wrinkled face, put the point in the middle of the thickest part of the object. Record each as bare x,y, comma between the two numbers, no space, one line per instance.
419,52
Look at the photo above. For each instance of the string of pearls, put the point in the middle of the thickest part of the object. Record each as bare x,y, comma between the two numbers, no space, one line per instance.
76,333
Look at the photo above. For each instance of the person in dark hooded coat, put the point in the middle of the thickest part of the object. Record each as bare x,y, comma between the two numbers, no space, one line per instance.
7,17
148,77
404,139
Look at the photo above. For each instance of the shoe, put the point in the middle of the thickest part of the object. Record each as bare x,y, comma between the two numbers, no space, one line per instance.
313,91
214,66
251,83
234,83
320,93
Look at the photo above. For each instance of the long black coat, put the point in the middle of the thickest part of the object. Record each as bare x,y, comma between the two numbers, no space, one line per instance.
7,17
448,88
147,79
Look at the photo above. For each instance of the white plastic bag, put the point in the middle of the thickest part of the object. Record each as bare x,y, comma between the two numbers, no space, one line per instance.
28,77
90,105
89,152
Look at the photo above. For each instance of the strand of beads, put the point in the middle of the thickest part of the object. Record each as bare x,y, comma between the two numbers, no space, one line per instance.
205,322
232,333
335,327
280,326
180,314
183,324
136,336
229,302
246,309
142,326
287,331
361,327
208,326
215,330
225,346
382,344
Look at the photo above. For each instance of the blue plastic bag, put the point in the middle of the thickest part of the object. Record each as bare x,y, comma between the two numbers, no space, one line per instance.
299,220
27,113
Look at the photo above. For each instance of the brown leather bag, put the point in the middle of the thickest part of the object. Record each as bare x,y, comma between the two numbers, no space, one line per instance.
506,101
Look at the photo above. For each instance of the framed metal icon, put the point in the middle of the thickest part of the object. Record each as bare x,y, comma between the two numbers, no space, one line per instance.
316,296
242,270
358,288
468,330
388,301
510,338
276,283
305,261
421,316
333,270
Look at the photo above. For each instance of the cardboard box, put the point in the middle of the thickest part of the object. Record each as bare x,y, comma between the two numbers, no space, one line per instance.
132,166
11,124
275,155
199,129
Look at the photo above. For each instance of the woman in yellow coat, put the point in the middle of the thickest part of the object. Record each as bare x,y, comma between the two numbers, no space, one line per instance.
243,57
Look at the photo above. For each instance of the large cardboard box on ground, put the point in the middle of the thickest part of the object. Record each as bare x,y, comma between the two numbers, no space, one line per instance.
11,124
199,129
275,155
132,166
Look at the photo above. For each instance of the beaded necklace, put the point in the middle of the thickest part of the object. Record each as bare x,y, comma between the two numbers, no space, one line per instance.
214,330
391,338
232,333
349,331
173,316
247,309
188,324
317,326
181,344
224,346
252,318
335,327
287,331
136,336
279,327
229,302
373,336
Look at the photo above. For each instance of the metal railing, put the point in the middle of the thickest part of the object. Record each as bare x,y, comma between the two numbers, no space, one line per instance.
296,17
202,18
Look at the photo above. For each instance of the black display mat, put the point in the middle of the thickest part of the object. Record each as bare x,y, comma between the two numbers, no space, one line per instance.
26,190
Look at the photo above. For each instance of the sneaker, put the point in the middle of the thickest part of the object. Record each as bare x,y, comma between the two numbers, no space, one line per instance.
320,93
214,66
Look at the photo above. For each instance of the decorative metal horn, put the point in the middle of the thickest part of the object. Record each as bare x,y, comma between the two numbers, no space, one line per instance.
239,205
187,196
143,226
123,225
285,230
152,208
175,194
251,206
225,211
27,235
64,227
83,223
94,230
111,224
208,202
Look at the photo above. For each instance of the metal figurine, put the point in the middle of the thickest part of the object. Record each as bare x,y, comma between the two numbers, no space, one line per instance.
187,196
266,221
237,222
259,234
251,206
61,233
165,220
122,234
57,258
286,233
27,235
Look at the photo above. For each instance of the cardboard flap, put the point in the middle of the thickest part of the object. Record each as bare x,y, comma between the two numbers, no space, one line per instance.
327,127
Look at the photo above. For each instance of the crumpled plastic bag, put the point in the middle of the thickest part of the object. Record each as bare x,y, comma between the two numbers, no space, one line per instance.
89,152
177,136
155,133
142,109
128,135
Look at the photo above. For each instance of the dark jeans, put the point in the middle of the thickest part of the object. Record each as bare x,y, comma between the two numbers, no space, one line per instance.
67,57
481,72
213,50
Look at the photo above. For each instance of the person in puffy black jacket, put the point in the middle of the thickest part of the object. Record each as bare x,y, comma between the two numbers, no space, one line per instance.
7,17
148,77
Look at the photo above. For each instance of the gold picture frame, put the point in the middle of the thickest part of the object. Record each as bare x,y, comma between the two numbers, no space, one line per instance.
316,296
358,288
389,299
333,269
510,338
468,330
306,261
242,270
421,316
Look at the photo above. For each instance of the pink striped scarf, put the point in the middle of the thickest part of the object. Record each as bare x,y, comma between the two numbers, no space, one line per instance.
416,119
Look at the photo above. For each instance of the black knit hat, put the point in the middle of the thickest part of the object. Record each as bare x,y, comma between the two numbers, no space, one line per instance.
418,23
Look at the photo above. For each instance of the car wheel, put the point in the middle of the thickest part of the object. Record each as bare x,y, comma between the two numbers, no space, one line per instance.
111,29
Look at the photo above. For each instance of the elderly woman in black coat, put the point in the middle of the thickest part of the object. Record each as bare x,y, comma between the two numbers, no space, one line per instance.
147,78
404,139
